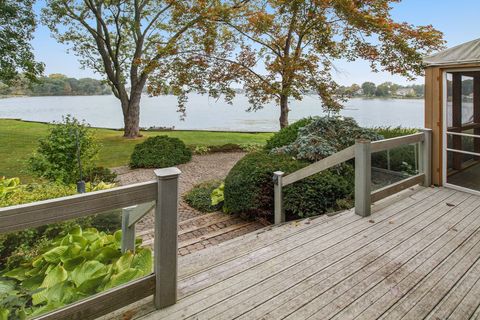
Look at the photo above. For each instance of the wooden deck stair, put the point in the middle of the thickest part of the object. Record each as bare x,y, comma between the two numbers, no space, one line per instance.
204,230
416,257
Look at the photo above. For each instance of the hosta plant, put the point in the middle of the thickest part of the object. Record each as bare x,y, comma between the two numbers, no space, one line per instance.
8,186
72,267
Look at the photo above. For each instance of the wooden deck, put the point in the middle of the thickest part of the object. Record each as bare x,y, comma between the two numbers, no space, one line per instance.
416,257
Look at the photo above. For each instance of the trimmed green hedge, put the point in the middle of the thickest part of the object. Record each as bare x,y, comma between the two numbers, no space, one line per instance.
249,187
160,152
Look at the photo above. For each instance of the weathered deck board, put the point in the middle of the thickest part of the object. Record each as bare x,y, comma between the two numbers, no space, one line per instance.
417,256
310,274
320,244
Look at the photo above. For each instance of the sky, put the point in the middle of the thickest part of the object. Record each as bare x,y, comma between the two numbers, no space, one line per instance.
457,19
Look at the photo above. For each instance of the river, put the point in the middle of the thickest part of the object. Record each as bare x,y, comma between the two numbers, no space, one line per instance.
204,113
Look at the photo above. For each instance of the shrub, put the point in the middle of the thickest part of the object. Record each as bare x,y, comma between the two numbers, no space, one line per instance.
72,267
56,157
320,193
8,187
249,187
287,135
200,150
101,174
160,152
199,197
401,159
325,136
229,147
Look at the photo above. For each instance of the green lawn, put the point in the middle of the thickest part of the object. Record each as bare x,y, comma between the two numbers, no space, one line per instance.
19,139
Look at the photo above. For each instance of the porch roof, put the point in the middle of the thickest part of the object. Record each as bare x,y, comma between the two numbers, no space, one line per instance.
468,52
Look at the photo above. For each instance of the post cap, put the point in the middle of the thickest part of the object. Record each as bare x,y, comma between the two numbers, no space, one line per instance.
279,173
167,173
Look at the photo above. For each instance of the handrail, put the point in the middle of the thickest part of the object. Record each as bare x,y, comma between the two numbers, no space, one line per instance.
162,283
319,166
361,151
382,145
40,213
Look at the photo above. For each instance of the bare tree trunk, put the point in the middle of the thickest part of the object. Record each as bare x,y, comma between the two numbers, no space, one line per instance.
283,111
131,116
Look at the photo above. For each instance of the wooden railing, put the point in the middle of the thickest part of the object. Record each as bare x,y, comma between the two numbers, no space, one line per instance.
362,153
162,283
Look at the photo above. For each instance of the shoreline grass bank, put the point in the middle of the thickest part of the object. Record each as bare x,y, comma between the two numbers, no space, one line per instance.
19,139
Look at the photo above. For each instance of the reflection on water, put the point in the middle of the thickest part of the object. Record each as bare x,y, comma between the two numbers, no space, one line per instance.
207,114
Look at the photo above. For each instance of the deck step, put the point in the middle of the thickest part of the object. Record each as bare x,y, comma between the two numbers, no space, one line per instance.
212,219
200,218
214,234
211,235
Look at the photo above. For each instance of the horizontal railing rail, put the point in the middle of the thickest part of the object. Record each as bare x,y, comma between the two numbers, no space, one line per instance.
40,213
161,194
362,153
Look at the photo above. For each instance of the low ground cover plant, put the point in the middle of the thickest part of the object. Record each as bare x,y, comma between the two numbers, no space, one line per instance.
160,152
18,246
67,268
200,196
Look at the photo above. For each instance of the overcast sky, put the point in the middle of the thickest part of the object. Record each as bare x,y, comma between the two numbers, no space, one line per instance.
457,19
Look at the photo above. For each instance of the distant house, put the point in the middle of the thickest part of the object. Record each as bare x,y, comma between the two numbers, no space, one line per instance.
405,92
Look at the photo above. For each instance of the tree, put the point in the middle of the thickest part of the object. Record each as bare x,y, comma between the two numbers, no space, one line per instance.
287,48
369,89
17,23
384,90
125,40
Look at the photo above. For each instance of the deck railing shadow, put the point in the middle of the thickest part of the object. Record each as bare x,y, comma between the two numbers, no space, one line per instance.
362,153
161,194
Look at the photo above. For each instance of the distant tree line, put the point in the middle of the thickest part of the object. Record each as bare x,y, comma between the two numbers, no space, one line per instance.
55,85
384,90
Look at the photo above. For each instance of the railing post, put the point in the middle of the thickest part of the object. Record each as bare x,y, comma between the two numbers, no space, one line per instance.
427,157
165,242
363,177
279,211
128,233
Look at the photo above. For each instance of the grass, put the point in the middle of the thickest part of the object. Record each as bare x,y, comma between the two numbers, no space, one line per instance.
19,139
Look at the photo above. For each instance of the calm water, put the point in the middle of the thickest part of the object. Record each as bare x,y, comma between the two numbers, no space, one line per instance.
206,114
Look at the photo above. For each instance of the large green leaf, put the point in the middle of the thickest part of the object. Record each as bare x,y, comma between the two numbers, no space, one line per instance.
56,275
45,309
72,263
17,273
4,314
90,286
6,286
53,255
88,270
33,283
91,235
123,277
107,254
73,251
124,262
143,261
